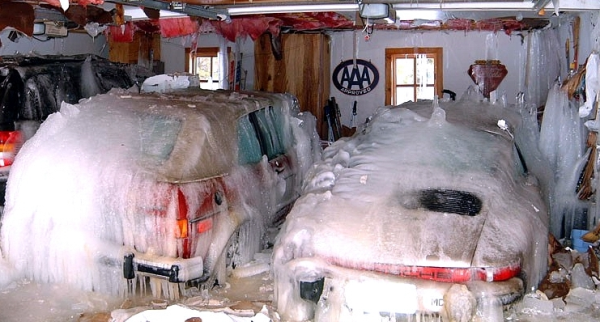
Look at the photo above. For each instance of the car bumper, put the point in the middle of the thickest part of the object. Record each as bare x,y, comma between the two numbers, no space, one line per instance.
309,287
175,270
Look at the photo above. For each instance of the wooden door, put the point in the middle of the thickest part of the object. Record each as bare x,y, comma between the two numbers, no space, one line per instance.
303,71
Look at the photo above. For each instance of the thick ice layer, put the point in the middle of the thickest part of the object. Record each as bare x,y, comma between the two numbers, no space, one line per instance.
95,177
562,143
362,207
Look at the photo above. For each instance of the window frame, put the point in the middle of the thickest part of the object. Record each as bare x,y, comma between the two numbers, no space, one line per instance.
212,52
390,68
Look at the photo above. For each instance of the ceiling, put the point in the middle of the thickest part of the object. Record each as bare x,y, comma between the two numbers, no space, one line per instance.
235,18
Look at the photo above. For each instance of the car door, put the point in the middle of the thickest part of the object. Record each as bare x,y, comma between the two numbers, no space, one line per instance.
268,126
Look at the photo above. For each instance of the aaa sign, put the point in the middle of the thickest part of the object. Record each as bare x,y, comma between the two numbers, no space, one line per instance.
355,78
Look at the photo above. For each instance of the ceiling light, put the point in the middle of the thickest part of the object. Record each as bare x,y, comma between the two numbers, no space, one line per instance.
374,10
420,14
238,11
565,5
137,13
177,7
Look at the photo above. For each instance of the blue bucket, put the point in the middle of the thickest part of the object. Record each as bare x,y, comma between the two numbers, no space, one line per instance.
578,244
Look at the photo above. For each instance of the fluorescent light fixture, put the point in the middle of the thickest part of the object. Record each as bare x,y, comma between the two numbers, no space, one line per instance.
565,5
136,13
238,11
374,10
419,14
180,8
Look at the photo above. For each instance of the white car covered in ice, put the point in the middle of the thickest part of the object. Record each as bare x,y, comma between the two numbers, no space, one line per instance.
176,186
425,211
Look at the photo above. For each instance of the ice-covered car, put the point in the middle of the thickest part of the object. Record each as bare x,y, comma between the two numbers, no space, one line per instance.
33,87
176,186
425,211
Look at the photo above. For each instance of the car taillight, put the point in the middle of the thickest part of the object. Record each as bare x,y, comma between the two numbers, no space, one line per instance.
182,232
453,274
204,225
182,229
10,142
444,274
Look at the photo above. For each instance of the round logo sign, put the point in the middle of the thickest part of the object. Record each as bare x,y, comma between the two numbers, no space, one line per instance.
356,79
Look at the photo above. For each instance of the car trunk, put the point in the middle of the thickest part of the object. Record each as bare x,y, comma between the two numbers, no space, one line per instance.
400,236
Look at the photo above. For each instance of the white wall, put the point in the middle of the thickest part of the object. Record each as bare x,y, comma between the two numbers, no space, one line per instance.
460,50
74,43
173,53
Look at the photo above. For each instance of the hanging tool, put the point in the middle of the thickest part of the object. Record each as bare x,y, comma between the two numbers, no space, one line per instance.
353,119
332,115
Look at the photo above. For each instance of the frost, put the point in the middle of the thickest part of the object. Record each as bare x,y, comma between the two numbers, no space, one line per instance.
91,185
361,212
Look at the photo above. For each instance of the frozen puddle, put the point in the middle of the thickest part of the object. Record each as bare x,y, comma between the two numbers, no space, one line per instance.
177,313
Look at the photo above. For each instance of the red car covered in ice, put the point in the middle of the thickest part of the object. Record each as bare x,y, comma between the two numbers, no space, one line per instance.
176,186
425,211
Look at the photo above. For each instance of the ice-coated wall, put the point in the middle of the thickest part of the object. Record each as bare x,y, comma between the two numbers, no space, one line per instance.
74,43
173,52
460,50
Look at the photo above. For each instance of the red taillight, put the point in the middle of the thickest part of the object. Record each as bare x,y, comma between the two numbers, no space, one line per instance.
204,225
182,228
181,205
443,274
10,142
182,225
495,274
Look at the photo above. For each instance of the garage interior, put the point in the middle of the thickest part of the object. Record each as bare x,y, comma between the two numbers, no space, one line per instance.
300,47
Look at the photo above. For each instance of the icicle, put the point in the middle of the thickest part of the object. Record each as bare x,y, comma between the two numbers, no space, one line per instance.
354,48
591,85
223,63
491,46
64,4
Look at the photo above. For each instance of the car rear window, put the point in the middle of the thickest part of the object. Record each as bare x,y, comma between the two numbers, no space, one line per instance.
158,134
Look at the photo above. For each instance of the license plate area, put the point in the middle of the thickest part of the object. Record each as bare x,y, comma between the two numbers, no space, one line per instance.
372,296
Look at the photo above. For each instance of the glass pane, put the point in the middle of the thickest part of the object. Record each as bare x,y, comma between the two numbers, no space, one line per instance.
268,130
203,67
425,93
158,135
249,147
215,73
405,72
425,70
404,94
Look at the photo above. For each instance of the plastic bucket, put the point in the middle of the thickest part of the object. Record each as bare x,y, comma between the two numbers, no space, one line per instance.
578,244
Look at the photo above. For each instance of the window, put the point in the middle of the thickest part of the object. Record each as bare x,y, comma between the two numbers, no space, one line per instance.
260,133
158,135
204,62
413,74
268,130
249,146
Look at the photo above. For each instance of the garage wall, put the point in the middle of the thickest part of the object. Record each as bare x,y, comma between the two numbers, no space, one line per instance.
173,53
74,43
460,50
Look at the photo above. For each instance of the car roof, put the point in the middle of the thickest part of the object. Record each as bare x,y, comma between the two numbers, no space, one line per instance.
206,144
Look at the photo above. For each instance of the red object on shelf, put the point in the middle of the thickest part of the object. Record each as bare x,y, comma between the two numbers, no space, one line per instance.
487,74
